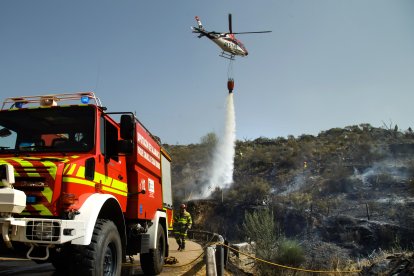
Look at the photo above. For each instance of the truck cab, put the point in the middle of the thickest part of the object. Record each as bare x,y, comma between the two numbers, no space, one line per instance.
78,181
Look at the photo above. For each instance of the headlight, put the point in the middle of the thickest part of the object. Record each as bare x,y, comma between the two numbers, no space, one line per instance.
43,230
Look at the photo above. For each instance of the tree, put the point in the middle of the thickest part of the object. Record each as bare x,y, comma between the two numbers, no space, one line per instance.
209,140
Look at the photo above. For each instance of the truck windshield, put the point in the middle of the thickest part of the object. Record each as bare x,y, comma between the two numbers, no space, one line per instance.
55,129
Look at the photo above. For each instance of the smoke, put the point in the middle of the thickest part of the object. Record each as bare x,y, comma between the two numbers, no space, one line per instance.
220,174
396,171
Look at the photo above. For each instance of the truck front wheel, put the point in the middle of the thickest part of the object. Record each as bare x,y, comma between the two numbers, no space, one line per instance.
103,256
152,262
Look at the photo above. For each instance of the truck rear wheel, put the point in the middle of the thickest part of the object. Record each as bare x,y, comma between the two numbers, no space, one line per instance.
152,262
103,256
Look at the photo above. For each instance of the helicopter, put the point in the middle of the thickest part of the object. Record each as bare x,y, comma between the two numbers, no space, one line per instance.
226,41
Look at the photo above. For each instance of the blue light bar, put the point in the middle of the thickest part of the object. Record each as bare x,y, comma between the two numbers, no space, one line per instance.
85,99
19,104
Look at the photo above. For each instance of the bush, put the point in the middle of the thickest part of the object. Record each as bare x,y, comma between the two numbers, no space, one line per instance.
261,228
290,252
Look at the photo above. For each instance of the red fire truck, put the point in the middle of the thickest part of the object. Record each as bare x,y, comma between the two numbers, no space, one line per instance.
80,187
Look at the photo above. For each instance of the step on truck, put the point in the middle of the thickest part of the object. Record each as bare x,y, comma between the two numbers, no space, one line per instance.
80,187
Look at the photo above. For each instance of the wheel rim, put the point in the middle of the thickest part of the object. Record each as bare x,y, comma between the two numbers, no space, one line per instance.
109,261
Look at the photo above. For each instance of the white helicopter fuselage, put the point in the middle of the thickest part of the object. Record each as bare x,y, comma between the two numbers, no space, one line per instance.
227,44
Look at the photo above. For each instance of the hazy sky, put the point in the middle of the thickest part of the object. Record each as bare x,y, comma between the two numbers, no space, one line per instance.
326,64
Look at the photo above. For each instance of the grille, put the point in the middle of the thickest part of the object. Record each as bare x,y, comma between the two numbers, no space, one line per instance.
43,230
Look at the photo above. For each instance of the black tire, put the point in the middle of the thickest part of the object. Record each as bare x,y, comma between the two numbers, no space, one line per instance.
103,256
153,262
62,259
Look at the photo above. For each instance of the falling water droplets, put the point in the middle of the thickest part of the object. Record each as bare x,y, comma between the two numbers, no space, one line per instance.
221,173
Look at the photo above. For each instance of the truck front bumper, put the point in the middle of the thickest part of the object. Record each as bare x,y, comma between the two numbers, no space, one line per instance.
41,231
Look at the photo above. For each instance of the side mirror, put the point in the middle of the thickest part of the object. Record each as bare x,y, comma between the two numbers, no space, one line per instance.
127,127
125,147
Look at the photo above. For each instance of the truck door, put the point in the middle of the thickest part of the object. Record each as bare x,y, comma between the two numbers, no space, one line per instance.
114,165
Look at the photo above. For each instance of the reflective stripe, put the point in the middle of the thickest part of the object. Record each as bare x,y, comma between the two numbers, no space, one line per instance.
65,169
105,188
47,193
78,181
92,184
51,168
119,185
42,209
81,172
27,167
100,178
69,169
107,182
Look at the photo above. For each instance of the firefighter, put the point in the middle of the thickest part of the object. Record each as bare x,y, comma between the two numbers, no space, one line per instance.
182,222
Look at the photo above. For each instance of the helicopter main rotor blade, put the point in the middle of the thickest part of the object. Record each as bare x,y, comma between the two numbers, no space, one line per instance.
230,28
261,32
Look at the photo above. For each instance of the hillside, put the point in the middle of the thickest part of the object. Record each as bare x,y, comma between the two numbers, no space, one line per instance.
348,192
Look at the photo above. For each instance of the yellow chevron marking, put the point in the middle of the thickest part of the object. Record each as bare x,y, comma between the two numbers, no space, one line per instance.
42,209
33,174
48,193
72,169
65,169
27,166
51,168
81,172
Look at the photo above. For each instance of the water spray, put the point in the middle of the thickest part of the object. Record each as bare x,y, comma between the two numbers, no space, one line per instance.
220,174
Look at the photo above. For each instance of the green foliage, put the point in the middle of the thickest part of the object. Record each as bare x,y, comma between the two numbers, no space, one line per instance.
260,227
209,140
290,252
249,191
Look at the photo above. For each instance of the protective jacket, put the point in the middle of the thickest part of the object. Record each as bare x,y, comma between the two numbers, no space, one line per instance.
182,222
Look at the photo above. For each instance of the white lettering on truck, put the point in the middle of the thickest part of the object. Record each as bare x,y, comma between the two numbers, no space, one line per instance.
148,146
148,157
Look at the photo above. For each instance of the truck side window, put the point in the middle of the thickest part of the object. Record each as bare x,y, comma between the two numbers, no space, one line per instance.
110,141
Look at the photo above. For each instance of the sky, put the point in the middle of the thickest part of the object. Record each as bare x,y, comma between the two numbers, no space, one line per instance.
325,64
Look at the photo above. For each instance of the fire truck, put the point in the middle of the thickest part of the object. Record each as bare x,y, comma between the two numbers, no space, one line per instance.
81,187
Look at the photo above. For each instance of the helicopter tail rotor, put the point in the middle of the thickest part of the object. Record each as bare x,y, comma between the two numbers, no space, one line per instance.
200,25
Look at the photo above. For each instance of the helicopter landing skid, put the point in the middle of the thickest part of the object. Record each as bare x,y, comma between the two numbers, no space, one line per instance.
227,55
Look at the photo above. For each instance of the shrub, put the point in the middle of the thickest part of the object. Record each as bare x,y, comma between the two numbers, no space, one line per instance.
290,252
261,228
